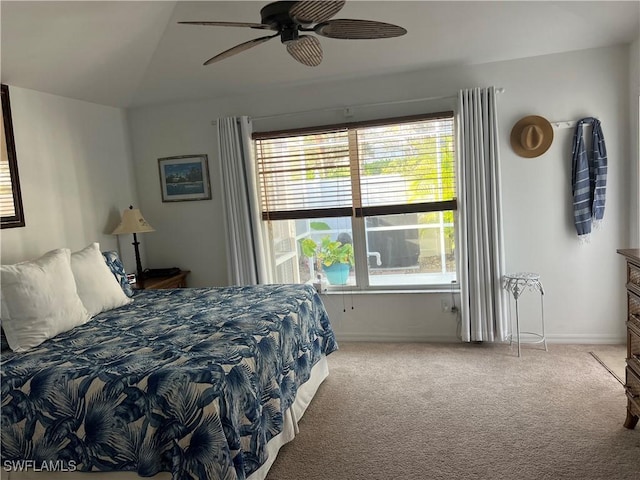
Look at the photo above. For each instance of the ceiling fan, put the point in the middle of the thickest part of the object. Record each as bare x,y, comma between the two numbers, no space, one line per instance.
288,19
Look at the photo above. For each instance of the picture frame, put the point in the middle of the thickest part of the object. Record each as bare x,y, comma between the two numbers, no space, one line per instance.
184,178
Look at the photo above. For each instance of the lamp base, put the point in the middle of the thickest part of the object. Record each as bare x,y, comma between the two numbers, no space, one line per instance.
139,273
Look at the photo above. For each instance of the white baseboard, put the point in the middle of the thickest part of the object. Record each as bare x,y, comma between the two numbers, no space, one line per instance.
385,337
579,339
591,339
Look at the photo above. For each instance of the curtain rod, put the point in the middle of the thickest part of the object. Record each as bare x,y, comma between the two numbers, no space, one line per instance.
348,111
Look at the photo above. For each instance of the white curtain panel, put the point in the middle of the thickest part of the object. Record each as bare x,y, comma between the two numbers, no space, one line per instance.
484,303
246,261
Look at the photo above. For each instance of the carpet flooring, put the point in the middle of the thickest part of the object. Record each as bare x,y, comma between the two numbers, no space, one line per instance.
444,411
613,358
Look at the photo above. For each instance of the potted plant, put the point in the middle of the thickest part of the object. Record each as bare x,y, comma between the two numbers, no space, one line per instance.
336,258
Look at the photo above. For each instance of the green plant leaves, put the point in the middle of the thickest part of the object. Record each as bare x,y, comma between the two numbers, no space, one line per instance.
329,251
319,226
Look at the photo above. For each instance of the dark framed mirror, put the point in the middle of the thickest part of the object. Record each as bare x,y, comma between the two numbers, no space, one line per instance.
11,212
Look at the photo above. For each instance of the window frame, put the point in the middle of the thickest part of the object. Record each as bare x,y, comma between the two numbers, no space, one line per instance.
358,214
16,220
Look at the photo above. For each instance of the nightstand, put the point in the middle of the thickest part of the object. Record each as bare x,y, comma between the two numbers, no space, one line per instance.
173,281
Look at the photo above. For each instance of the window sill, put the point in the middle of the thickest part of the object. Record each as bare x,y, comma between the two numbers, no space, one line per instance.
438,290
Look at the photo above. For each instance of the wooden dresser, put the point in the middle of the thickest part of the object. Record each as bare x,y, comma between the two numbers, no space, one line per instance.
632,384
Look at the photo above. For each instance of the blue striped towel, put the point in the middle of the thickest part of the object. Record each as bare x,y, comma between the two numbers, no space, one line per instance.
588,176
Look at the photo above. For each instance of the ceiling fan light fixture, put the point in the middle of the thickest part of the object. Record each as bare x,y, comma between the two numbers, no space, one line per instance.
289,34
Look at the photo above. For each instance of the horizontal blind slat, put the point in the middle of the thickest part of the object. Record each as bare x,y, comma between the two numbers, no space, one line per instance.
7,207
410,164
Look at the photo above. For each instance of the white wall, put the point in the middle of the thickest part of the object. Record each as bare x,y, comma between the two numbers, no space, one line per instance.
189,235
76,175
634,122
584,295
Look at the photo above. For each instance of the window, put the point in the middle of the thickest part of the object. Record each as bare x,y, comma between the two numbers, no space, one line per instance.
386,188
11,214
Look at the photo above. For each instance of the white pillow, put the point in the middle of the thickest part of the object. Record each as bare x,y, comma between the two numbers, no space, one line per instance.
97,287
39,300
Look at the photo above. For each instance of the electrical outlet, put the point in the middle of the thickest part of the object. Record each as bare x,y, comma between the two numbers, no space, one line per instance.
446,306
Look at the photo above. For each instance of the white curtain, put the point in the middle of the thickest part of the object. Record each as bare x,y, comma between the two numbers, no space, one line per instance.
247,263
480,239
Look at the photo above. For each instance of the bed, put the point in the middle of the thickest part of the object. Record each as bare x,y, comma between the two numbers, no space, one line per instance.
201,383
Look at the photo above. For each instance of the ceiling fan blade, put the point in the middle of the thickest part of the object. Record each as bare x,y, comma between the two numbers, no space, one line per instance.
358,29
260,26
306,11
306,50
239,48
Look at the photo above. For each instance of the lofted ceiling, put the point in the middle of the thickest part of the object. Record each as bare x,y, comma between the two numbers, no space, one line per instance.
128,54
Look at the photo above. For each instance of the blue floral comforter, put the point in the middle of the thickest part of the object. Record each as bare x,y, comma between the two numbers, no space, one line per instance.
190,381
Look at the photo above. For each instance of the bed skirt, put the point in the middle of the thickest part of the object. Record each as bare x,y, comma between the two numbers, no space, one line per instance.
292,416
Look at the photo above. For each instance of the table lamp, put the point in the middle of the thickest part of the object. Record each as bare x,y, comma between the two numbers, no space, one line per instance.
133,222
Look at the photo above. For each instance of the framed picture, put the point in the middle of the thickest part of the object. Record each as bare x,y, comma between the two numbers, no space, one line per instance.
184,178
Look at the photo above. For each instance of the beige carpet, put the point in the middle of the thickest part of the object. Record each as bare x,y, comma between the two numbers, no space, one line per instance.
436,411
613,358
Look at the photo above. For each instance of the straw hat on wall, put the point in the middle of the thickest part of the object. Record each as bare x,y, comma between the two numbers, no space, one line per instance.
531,136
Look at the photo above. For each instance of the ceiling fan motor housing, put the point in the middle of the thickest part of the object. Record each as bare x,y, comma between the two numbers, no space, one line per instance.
276,15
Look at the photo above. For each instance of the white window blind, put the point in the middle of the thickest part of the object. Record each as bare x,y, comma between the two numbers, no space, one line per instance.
375,168
407,167
7,208
11,212
305,175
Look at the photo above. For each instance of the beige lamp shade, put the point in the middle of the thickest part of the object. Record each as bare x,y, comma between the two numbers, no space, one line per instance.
132,222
